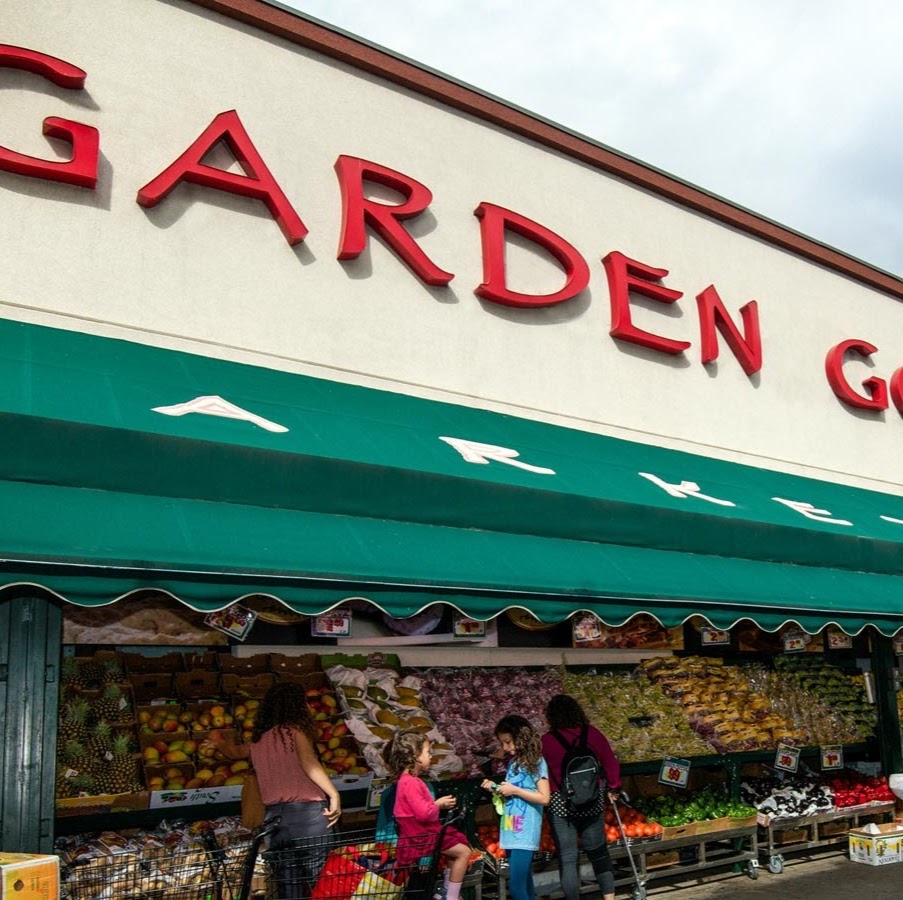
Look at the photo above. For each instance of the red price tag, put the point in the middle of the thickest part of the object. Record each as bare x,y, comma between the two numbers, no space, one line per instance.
674,772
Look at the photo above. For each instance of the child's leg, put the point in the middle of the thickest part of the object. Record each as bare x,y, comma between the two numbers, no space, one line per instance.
458,857
520,874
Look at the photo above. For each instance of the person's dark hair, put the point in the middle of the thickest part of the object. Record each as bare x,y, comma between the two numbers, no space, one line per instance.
563,711
527,746
284,707
402,751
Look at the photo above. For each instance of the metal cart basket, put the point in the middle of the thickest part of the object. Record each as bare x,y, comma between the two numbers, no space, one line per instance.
208,869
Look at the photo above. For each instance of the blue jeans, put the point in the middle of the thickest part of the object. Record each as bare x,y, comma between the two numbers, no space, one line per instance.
591,832
300,844
520,875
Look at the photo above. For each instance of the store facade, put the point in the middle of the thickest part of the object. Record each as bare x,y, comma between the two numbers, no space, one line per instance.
285,315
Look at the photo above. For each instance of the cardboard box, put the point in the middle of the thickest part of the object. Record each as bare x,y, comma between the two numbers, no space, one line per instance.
282,664
241,686
877,849
707,826
660,860
29,876
678,831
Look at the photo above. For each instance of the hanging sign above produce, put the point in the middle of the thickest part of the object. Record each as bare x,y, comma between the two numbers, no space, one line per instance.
787,758
674,772
832,757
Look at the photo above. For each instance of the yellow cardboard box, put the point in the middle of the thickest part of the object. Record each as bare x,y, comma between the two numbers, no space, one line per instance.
29,876
877,849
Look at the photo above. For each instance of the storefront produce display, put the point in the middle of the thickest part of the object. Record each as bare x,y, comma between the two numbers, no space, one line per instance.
639,719
467,702
672,810
840,691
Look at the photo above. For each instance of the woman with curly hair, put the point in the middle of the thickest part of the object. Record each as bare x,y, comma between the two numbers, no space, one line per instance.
408,758
293,784
525,791
569,727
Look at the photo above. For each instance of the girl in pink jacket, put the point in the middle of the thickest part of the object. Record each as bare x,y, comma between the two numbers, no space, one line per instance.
417,812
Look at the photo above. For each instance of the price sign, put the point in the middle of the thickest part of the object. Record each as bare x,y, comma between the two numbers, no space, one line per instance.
336,623
832,756
898,644
375,793
837,640
712,636
674,771
787,758
794,642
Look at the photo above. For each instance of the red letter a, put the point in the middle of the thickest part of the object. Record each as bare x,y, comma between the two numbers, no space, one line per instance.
257,183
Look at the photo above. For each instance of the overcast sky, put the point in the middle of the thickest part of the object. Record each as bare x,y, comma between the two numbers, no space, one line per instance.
791,108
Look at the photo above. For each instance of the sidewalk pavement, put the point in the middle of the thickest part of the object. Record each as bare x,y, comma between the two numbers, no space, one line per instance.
826,875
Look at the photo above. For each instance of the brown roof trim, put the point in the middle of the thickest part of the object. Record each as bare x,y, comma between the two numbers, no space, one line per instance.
344,48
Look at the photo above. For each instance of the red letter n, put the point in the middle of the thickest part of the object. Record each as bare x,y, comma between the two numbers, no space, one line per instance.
713,315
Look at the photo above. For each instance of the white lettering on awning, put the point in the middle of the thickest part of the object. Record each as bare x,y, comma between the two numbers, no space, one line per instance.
685,489
810,512
483,454
213,405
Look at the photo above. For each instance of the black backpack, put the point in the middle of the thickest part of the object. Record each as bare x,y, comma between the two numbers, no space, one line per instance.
580,772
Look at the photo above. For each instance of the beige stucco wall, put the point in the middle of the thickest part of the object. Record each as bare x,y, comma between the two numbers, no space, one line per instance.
212,273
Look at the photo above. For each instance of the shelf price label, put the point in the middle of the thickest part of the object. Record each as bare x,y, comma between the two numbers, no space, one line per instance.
832,756
712,636
795,642
674,771
787,758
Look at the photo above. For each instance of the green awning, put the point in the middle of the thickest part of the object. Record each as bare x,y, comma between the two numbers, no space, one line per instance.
331,490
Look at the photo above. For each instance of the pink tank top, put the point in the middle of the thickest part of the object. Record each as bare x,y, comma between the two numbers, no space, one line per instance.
279,773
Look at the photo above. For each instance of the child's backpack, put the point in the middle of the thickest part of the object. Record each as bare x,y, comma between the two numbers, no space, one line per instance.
580,773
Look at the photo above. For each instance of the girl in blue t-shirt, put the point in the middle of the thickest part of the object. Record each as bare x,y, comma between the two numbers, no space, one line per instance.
521,798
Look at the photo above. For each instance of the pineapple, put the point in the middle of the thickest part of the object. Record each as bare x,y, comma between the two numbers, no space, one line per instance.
69,676
83,783
101,742
114,705
122,775
111,672
73,725
76,758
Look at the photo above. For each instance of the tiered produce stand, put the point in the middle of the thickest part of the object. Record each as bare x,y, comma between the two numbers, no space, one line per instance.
725,720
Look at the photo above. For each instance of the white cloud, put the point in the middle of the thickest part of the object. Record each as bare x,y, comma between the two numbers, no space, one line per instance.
789,107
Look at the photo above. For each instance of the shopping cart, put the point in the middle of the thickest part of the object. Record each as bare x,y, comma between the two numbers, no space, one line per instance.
350,865
206,869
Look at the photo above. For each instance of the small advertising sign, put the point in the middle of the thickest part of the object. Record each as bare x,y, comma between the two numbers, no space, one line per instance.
465,627
832,756
787,758
235,620
674,771
334,624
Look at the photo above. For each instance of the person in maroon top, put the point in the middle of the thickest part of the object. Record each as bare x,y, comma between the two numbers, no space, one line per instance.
566,720
293,785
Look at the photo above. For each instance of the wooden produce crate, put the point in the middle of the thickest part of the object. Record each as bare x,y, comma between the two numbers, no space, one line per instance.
281,664
139,664
244,665
152,685
234,685
197,684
